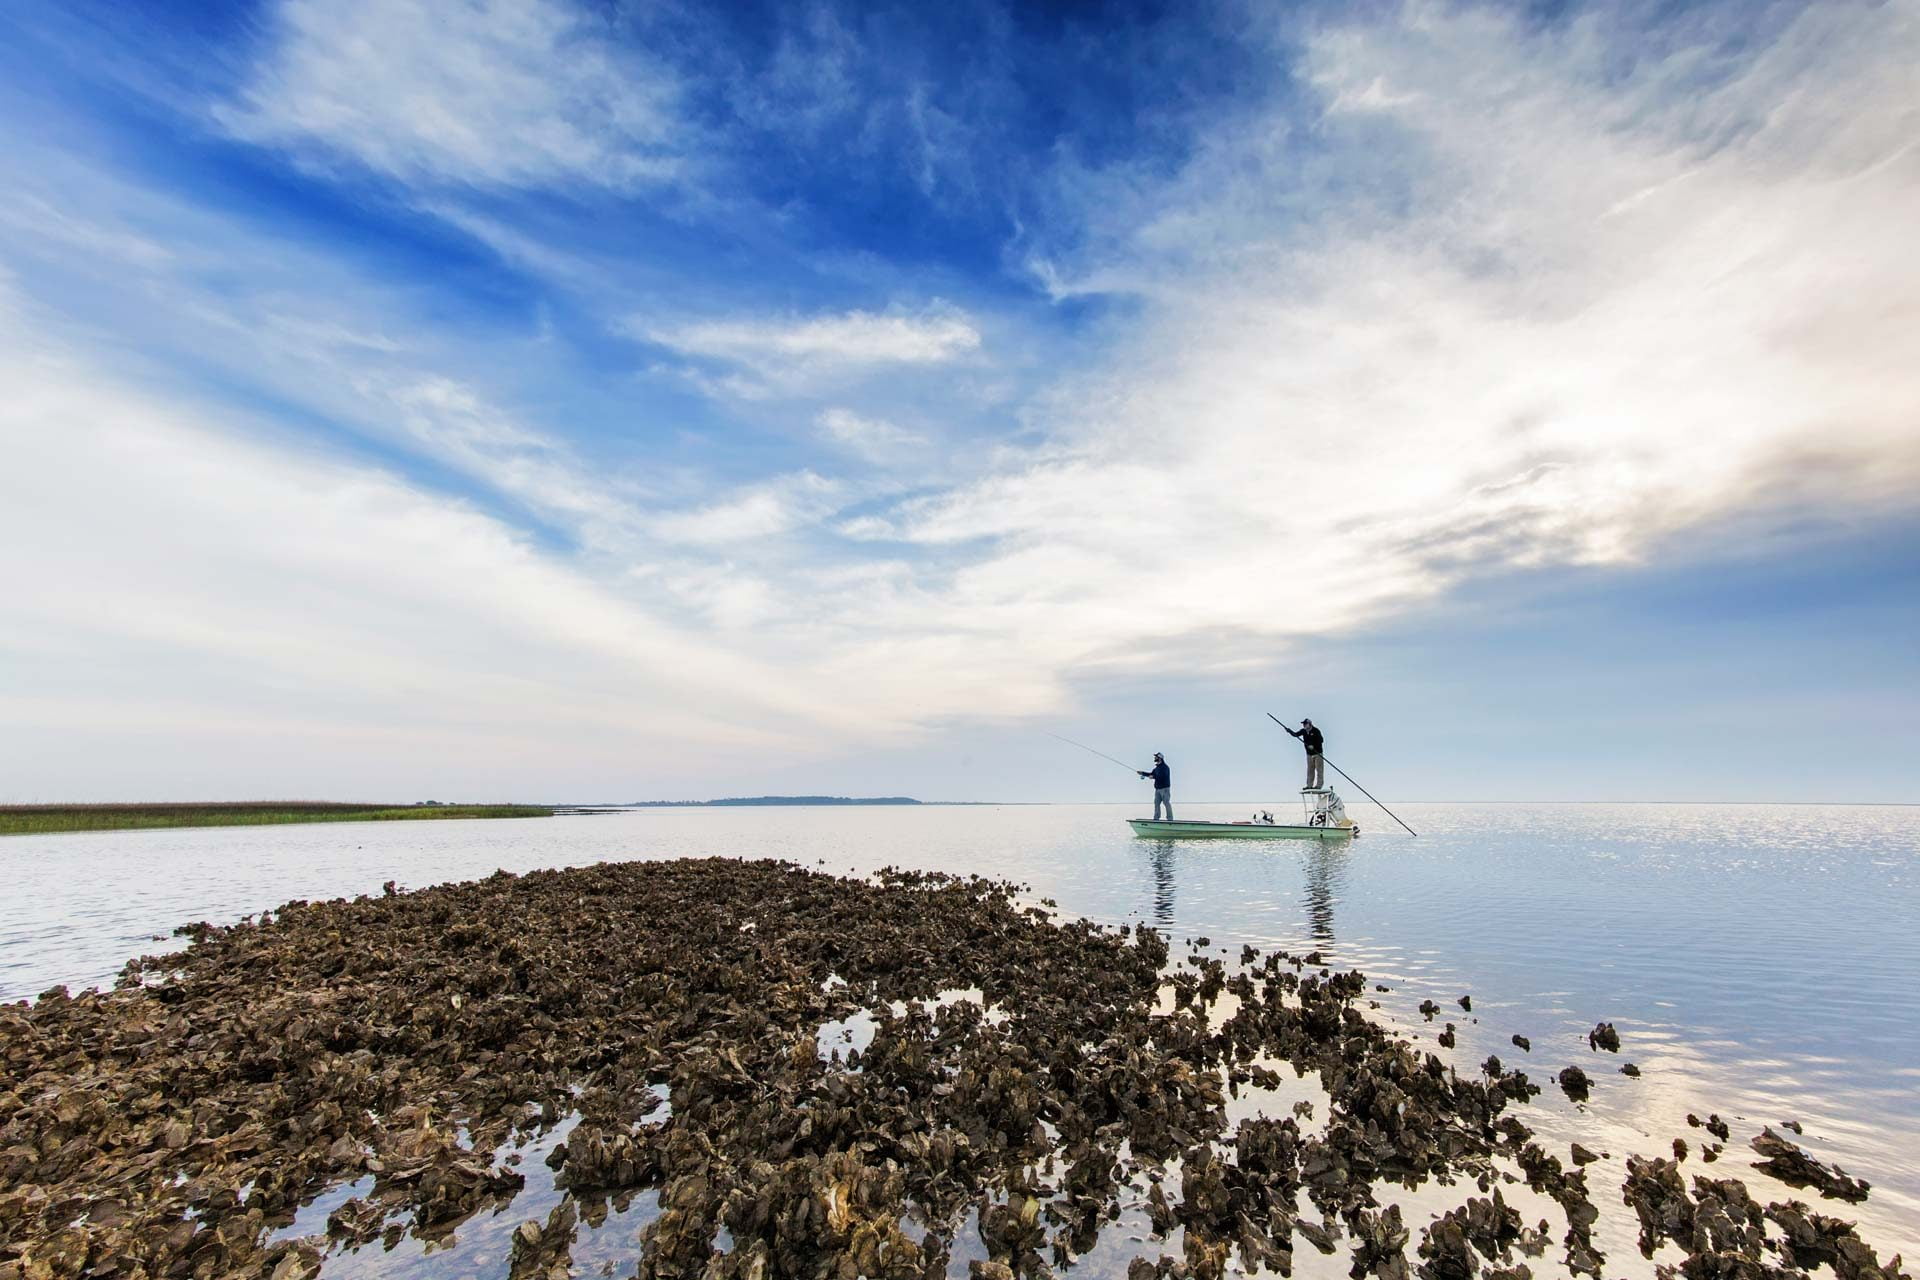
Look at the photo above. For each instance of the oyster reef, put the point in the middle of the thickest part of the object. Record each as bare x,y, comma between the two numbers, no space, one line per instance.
752,1069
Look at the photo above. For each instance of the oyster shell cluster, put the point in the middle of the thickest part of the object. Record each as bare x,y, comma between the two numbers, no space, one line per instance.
1028,1080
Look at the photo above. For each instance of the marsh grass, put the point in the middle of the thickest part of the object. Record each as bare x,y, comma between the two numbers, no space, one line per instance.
39,819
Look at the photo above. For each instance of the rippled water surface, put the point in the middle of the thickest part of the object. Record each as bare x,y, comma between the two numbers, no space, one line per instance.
1761,961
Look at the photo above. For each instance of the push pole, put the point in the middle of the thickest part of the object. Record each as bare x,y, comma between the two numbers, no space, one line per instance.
1343,773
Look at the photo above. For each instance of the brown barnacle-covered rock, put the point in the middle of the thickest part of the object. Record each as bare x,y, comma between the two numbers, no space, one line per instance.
1655,1192
1379,1244
1726,1220
542,1251
1012,1228
1492,1226
1452,1246
1787,1162
1810,1239
606,1158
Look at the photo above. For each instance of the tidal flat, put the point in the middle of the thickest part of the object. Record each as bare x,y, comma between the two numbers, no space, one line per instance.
732,1068
48,819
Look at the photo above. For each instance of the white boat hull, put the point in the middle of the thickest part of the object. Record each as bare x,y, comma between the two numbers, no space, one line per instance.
1234,831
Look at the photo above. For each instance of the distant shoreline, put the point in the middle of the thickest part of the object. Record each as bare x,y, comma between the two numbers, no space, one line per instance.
52,819
747,802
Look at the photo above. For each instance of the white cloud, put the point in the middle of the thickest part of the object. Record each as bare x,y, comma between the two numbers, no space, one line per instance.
495,93
759,511
874,439
30,217
455,424
851,340
1506,302
213,615
1543,315
306,330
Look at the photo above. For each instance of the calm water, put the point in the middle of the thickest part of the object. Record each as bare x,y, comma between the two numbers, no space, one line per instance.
1761,961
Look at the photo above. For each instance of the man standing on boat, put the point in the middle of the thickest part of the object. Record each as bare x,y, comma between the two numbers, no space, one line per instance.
1310,739
1162,786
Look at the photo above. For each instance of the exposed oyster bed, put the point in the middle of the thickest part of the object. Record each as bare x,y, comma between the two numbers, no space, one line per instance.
722,1068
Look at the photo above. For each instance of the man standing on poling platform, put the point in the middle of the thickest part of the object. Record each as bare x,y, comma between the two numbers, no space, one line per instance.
1311,739
1162,786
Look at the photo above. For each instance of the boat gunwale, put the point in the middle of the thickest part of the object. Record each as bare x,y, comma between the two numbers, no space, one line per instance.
1237,830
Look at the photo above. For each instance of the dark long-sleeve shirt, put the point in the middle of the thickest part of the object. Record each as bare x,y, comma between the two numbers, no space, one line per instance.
1161,775
1309,738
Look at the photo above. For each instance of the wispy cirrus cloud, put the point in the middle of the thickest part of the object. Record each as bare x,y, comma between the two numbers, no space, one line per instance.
872,438
1442,294
1538,314
261,609
799,350
483,93
757,512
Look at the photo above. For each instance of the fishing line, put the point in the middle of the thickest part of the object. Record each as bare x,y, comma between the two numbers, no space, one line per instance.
1084,747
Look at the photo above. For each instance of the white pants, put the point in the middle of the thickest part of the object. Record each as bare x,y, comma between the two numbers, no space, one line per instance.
1316,772
1162,796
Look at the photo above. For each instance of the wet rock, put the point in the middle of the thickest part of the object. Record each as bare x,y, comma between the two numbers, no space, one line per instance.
1379,1245
1545,1174
1603,1036
1523,1044
1318,1235
1628,1069
1582,1156
1658,1196
543,1252
1575,1083
1451,1247
1811,1239
1787,1162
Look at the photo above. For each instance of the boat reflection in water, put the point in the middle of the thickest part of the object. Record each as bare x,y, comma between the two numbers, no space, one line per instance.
1325,867
1162,860
1326,874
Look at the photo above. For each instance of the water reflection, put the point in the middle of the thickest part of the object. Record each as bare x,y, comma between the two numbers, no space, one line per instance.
1326,875
1161,858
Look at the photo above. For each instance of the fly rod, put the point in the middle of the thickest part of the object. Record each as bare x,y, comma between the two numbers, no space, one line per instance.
1103,755
1343,773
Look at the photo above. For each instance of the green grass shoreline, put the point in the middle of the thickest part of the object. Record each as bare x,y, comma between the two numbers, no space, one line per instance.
44,819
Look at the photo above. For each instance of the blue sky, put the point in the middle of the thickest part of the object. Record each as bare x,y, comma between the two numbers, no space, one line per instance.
553,399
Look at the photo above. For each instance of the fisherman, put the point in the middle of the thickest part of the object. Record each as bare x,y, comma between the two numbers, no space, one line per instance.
1310,739
1162,786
